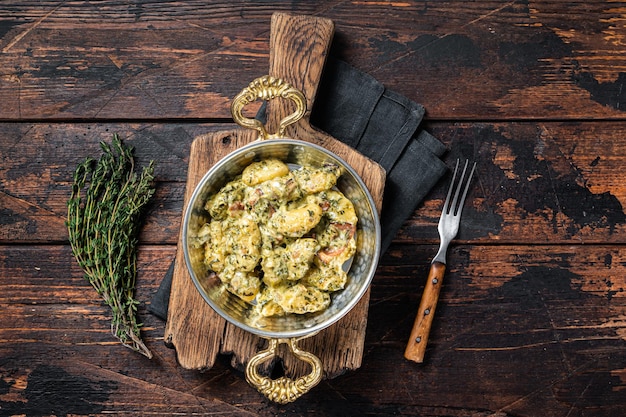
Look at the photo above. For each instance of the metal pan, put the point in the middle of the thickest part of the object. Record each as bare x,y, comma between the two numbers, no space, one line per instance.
290,328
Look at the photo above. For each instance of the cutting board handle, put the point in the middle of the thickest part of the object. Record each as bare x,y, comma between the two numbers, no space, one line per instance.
298,50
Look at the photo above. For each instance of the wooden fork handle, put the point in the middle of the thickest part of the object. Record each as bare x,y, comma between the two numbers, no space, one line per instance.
416,347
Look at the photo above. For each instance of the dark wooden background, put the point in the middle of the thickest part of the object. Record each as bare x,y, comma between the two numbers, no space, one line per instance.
532,315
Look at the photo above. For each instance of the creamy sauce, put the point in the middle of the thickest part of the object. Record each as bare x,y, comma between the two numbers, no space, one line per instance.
279,238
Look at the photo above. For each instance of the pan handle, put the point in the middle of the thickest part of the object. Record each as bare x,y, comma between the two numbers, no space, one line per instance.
283,390
267,88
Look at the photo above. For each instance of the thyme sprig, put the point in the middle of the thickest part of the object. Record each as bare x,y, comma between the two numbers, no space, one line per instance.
103,221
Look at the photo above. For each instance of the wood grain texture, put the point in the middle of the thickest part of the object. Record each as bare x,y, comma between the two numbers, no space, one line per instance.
193,328
297,59
557,182
540,325
530,319
199,334
196,332
478,60
418,338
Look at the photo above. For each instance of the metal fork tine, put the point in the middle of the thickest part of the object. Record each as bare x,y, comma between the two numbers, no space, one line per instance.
467,184
446,205
453,206
469,180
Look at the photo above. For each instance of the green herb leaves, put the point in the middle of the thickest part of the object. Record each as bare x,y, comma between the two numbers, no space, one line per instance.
103,221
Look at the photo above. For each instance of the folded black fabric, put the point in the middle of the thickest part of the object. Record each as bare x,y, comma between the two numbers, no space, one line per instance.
383,125
413,175
356,109
161,300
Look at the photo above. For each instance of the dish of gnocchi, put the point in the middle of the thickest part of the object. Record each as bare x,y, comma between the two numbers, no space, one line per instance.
280,238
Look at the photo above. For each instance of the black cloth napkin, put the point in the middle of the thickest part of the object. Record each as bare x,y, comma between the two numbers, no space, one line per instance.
383,125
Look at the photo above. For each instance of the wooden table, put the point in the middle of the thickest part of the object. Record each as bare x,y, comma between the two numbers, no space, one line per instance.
532,316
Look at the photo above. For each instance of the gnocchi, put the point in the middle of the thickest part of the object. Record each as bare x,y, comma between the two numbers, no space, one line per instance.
278,238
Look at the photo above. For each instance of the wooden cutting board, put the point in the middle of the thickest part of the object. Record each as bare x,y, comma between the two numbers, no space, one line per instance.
298,50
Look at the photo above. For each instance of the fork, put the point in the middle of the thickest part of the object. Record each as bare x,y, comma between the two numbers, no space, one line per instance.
448,228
